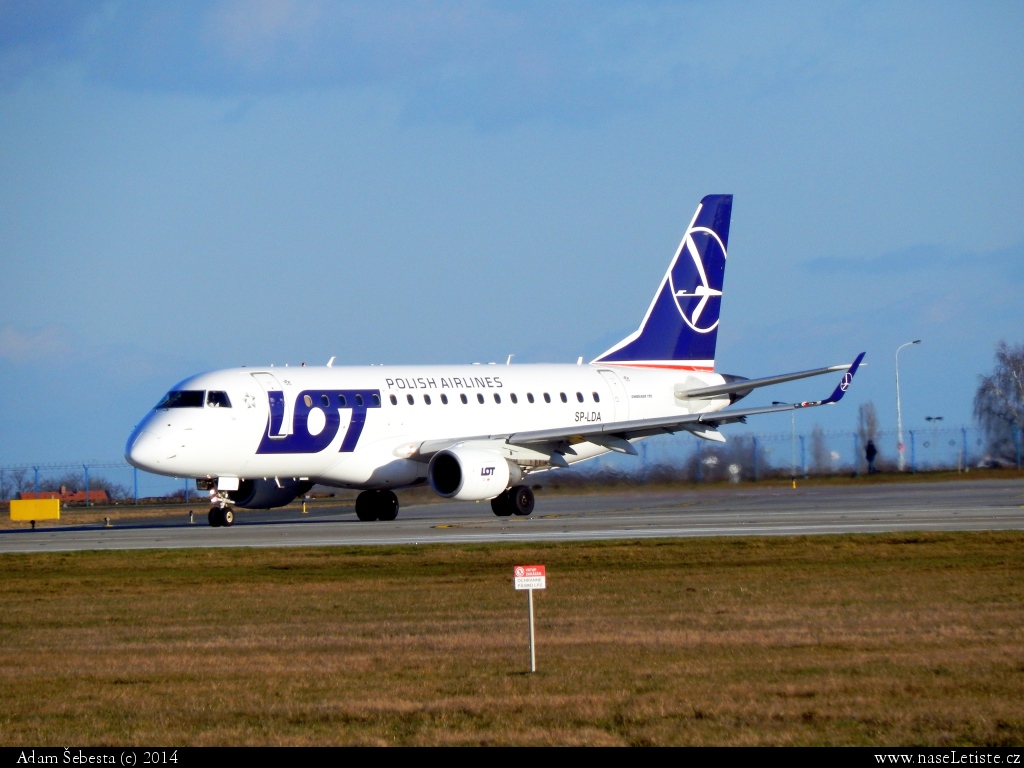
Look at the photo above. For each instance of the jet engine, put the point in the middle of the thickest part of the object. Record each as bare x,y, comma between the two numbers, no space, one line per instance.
264,494
471,474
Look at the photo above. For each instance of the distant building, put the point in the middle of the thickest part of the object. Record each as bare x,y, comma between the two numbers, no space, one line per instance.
66,496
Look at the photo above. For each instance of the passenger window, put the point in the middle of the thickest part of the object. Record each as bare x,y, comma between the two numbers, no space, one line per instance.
325,400
497,398
597,398
344,402
564,398
463,399
479,398
426,399
409,398
444,399
376,400
547,398
514,398
529,396
218,400
308,401
359,401
394,400
579,396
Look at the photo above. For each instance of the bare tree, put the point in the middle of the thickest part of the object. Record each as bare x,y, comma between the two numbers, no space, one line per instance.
999,401
75,481
867,428
13,481
867,422
819,451
6,484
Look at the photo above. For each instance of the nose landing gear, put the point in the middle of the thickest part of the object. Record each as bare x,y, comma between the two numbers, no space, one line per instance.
376,505
517,500
221,516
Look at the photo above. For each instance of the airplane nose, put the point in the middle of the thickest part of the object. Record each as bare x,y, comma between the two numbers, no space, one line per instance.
145,450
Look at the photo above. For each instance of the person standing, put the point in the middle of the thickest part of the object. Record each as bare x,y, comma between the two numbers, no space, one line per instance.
870,452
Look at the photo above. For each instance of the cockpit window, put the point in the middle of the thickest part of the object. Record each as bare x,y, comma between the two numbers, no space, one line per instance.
182,398
218,399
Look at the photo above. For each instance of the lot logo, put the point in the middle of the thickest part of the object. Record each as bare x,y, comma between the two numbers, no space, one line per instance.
697,288
316,420
486,471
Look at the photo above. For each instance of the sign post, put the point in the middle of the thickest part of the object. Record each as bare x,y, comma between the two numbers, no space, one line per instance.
531,577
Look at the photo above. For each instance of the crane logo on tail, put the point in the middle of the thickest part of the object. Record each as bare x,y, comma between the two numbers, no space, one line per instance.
695,289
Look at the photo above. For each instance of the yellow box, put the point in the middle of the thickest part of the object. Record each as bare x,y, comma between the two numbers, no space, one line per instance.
35,509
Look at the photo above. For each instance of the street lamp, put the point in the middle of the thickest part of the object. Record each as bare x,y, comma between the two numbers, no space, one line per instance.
900,447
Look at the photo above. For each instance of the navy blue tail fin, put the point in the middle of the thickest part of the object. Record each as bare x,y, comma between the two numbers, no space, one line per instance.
681,325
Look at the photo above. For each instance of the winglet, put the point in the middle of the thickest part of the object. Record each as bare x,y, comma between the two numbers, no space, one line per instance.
844,383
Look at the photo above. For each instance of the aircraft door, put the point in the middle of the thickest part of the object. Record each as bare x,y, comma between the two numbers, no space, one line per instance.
280,413
620,401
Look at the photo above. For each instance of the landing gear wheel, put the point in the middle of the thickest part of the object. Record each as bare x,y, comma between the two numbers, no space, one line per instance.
221,516
521,500
387,506
376,505
501,505
366,506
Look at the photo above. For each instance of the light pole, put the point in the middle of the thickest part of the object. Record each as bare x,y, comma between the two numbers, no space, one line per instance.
900,447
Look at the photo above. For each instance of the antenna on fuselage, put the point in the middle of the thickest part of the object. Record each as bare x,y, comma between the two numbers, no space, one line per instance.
509,361
330,363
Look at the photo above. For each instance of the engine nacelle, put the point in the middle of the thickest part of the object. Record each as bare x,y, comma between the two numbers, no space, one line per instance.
264,494
471,474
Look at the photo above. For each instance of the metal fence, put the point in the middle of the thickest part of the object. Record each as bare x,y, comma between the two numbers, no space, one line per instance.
122,482
755,456
746,456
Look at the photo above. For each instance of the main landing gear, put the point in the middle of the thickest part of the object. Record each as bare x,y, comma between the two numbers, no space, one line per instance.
517,500
221,516
376,505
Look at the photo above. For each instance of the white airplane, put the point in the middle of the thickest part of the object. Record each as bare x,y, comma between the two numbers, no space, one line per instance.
259,437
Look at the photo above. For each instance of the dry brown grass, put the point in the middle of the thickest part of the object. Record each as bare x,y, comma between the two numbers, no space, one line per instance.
894,639
120,514
117,514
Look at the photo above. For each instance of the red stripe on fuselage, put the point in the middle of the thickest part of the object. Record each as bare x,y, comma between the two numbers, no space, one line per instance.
702,368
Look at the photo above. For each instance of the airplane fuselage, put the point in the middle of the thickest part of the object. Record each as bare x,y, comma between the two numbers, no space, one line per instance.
259,437
362,427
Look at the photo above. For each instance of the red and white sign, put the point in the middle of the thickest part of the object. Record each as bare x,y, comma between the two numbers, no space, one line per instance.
530,577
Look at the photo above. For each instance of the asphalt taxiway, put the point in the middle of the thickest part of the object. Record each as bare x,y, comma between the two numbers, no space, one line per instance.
747,510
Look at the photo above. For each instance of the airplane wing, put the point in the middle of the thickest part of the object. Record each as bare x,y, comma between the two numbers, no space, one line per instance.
616,435
743,387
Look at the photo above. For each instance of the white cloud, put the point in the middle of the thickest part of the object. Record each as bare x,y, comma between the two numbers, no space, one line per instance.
255,31
36,345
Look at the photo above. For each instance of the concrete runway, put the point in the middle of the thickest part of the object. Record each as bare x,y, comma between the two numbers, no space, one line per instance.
746,510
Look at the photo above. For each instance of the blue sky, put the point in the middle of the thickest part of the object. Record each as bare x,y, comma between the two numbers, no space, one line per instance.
192,186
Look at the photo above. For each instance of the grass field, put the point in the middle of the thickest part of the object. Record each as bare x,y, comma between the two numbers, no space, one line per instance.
884,639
